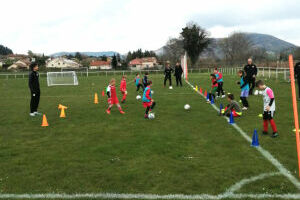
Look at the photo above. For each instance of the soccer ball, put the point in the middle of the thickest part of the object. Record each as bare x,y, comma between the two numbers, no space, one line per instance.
151,115
187,106
152,92
138,97
256,92
170,87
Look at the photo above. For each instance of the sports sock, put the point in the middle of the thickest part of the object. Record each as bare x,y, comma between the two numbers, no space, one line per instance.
147,110
273,125
266,125
153,105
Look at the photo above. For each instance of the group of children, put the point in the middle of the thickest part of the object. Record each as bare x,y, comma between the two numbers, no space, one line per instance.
234,107
216,88
145,84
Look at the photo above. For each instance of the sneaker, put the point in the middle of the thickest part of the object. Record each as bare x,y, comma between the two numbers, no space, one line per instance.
108,111
146,116
37,113
122,112
274,135
32,114
123,101
244,108
265,133
223,96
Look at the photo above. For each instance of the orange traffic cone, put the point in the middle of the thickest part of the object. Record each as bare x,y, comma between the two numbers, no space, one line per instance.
103,93
96,101
45,122
205,93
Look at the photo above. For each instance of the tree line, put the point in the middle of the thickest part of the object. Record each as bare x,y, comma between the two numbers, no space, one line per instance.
5,50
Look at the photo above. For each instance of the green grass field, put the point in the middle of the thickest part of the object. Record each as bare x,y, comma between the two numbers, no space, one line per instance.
179,152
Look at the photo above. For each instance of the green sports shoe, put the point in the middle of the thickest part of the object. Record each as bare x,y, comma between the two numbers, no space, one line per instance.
275,135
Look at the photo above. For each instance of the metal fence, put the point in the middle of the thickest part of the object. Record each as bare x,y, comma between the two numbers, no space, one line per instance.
267,72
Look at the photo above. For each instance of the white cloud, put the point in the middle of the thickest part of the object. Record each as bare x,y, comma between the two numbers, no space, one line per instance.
97,25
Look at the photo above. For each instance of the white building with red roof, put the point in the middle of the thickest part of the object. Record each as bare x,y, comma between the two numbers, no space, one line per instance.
100,64
143,63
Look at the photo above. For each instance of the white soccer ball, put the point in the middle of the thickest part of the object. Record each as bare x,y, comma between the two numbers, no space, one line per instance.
152,92
170,87
187,107
138,97
151,115
256,92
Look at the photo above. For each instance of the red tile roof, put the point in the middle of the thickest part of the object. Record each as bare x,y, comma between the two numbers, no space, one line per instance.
139,61
99,63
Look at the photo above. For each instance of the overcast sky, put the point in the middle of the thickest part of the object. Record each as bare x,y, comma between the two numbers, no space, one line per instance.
48,26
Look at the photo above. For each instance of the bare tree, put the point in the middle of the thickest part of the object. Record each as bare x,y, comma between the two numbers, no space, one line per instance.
236,48
173,50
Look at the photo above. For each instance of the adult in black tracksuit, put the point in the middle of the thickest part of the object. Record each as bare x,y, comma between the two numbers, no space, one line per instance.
178,74
251,73
168,72
34,87
297,76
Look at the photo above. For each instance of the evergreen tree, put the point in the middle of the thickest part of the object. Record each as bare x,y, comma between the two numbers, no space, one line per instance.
5,50
195,41
114,62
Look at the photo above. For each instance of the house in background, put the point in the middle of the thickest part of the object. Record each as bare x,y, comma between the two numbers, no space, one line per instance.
62,63
143,63
99,64
20,65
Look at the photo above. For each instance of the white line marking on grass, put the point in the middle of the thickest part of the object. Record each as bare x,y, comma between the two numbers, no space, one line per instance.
148,196
284,171
237,186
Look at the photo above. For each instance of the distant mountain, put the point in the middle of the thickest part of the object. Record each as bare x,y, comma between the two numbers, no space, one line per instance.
270,43
94,54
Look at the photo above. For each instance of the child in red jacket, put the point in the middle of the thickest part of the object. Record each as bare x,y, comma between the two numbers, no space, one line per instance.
112,97
123,88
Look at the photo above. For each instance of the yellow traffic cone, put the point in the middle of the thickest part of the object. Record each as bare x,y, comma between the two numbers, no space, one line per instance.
62,113
196,88
62,108
45,122
96,101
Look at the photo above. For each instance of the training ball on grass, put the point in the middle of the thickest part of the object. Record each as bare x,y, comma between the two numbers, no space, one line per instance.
138,97
152,92
170,87
187,107
256,92
151,116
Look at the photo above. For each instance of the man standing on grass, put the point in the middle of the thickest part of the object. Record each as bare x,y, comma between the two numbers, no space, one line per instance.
34,87
251,72
168,71
178,74
297,76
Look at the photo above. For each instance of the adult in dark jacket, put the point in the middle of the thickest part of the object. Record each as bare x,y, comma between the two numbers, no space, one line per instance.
168,73
251,72
178,74
34,87
297,76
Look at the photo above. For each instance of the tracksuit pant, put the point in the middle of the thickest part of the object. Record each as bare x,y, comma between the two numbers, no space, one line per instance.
34,102
168,78
178,80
